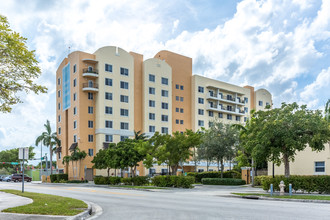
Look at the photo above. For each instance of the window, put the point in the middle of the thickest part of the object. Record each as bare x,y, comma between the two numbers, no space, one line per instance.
245,119
177,121
229,117
59,130
200,123
151,78
267,103
108,95
229,108
123,112
260,103
210,123
75,110
220,115
152,171
200,170
181,110
108,68
181,122
200,89
152,103
75,138
200,111
123,85
181,87
59,118
229,97
123,138
320,167
181,99
90,110
90,124
164,117
108,110
123,71
164,93
108,82
90,138
177,86
177,109
238,118
152,128
246,100
90,152
152,90
124,98
74,96
177,98
200,100
164,130
59,93
211,114
90,96
108,124
59,81
108,138
59,106
74,82
124,125
164,171
74,68
164,81
246,109
152,116
164,105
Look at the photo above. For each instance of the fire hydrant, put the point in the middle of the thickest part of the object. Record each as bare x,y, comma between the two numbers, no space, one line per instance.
281,188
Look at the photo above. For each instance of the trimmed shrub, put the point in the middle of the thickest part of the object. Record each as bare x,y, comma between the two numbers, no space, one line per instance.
114,180
77,181
173,181
136,181
214,174
223,181
320,184
53,178
100,180
127,181
58,177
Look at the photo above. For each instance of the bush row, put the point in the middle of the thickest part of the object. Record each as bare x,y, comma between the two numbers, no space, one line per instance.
58,177
214,174
320,184
111,180
173,181
223,181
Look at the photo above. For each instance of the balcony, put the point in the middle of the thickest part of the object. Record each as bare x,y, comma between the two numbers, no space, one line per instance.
90,87
224,99
224,110
89,72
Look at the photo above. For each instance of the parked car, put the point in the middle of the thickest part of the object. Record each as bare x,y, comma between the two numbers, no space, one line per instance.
7,179
18,177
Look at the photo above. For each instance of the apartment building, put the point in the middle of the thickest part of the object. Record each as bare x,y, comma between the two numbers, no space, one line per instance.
105,96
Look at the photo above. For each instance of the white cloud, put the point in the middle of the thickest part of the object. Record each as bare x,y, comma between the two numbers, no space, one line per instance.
175,25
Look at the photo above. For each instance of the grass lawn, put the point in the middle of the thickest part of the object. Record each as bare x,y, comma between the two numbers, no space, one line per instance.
137,187
310,197
44,204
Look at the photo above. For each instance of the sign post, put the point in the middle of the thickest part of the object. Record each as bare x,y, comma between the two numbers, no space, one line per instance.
23,154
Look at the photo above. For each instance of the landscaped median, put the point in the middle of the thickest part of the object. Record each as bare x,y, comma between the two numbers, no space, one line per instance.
44,204
301,197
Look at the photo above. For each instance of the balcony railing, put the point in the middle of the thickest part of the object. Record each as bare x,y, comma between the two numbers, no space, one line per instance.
88,70
234,111
90,87
225,99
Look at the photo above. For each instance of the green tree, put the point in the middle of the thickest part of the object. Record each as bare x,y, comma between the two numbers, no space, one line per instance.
220,141
12,156
277,134
194,140
18,67
327,111
49,139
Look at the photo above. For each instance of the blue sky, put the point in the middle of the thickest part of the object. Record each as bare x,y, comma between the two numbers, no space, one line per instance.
280,45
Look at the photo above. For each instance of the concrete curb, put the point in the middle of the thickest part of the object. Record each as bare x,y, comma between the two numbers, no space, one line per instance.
84,214
276,199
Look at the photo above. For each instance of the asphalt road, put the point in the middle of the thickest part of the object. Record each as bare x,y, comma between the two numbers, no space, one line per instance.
199,203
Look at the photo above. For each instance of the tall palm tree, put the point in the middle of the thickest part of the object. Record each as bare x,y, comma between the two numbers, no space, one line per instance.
49,139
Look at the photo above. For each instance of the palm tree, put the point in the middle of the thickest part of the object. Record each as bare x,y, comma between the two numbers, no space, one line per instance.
50,140
80,156
66,160
139,136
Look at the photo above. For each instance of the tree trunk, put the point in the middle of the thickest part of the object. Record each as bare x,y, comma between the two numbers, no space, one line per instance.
286,165
108,171
72,169
133,171
174,169
51,159
195,159
230,164
218,165
207,164
115,172
221,167
79,168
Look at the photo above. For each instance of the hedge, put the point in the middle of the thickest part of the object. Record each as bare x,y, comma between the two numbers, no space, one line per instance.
103,180
173,181
58,177
136,181
112,180
320,184
223,181
214,174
